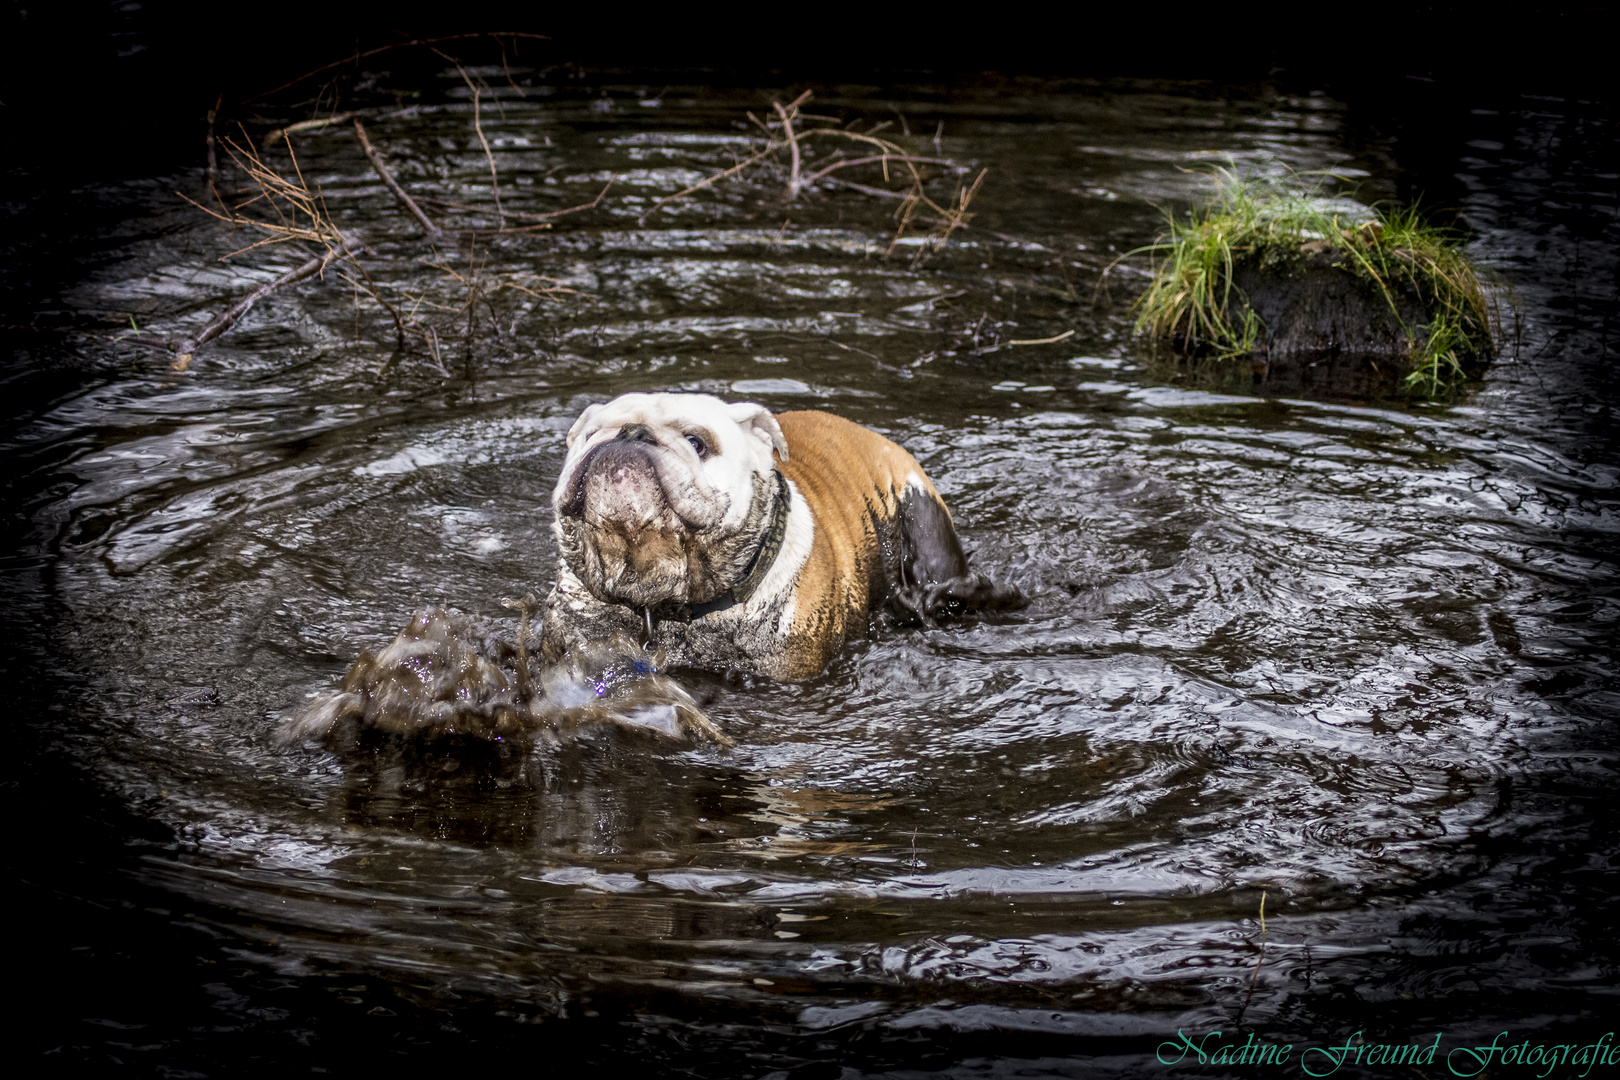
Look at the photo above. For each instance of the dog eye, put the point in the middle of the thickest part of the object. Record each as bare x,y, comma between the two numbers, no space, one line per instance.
698,445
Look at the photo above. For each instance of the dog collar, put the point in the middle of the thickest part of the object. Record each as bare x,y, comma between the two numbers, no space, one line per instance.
763,558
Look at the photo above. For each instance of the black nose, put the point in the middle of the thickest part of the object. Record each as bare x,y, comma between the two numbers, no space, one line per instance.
635,433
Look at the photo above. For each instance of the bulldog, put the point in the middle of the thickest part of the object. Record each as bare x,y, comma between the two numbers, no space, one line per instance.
733,539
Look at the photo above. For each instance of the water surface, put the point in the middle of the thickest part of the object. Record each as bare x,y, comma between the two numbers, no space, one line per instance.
1350,657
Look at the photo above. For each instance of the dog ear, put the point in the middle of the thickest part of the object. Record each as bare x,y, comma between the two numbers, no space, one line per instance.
757,421
584,419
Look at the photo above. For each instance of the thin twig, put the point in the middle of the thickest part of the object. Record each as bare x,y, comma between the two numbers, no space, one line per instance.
405,200
385,48
304,125
478,126
959,216
228,318
393,312
1066,335
451,205
793,142
848,348
1249,997
592,205
865,189
701,184
904,213
494,175
885,158
433,343
213,156
476,232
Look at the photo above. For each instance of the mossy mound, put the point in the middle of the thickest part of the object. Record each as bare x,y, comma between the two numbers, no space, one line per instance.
1305,291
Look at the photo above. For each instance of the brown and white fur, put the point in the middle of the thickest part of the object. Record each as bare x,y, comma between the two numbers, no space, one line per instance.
666,501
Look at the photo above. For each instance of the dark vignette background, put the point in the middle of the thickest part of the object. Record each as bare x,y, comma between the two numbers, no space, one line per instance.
113,90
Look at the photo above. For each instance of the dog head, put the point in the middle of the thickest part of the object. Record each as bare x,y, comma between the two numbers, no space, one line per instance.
663,498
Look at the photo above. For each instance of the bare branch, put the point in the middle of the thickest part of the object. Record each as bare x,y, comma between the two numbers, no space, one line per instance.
428,226
304,125
228,318
793,148
701,184
478,127
787,114
385,48
958,216
592,205
885,158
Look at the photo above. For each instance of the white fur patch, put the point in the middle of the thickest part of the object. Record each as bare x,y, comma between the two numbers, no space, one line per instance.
797,538
744,438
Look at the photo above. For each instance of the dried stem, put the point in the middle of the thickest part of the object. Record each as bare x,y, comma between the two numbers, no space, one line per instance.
955,217
228,318
478,127
285,207
903,214
405,200
497,35
716,178
947,220
300,212
1065,336
792,141
304,125
213,156
875,159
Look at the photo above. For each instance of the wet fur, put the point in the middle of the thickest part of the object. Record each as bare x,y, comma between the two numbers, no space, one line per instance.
637,564
885,538
866,531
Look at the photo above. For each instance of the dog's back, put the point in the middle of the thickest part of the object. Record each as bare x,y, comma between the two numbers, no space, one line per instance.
882,531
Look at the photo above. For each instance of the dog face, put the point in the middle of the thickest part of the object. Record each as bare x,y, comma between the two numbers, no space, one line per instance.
663,497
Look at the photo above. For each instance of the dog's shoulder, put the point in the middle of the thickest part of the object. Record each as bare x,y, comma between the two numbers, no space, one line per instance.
831,459
879,523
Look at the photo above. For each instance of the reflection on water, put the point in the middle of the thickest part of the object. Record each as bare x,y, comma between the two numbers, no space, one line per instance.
1349,656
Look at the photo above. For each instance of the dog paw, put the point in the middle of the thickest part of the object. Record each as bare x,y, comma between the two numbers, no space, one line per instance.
951,599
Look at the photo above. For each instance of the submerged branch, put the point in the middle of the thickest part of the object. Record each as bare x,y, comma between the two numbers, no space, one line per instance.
187,347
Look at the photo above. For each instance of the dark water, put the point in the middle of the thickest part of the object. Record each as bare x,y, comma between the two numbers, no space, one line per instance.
1349,658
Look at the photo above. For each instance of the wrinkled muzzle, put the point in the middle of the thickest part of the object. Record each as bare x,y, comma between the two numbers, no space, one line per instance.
618,485
632,542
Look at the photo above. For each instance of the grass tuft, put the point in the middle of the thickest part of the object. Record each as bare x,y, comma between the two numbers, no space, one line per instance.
1193,303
